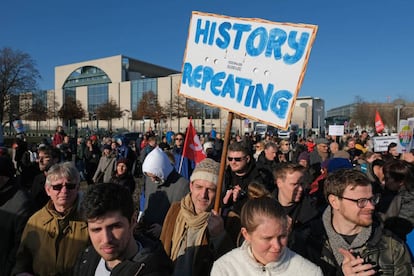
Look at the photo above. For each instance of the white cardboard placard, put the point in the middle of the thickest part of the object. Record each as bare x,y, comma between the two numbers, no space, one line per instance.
252,67
336,130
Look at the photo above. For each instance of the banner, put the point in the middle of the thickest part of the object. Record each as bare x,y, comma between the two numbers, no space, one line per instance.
193,149
249,66
379,125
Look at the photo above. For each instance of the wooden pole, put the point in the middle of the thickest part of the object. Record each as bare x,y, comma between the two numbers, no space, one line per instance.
227,136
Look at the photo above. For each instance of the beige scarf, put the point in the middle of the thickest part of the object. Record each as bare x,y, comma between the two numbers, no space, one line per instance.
187,218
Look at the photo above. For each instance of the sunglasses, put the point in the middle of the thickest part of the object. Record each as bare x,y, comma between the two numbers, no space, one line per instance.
237,159
179,139
69,186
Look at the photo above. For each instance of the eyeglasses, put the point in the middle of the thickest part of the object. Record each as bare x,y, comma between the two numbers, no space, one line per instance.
362,202
237,159
179,139
69,186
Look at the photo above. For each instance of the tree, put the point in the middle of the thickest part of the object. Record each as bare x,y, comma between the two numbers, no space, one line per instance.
18,74
38,112
109,111
149,108
176,107
70,111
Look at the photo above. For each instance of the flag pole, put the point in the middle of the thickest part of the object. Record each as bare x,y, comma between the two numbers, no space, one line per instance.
184,144
223,162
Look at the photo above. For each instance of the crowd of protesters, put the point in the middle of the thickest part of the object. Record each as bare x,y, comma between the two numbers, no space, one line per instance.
298,206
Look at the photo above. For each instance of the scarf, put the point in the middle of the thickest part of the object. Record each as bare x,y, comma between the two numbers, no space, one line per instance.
336,240
187,218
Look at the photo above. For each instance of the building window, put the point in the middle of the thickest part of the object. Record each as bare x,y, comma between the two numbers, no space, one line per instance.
87,75
139,87
97,95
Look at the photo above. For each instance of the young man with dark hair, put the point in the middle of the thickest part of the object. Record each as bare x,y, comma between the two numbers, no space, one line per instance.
349,240
109,211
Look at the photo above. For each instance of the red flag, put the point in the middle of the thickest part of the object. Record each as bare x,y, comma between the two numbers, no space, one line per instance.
379,125
193,149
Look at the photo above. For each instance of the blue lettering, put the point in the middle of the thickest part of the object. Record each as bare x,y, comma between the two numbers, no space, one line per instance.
208,74
249,95
202,31
240,29
250,47
228,87
223,30
280,103
197,76
217,82
299,47
212,33
225,86
264,98
242,82
277,37
186,76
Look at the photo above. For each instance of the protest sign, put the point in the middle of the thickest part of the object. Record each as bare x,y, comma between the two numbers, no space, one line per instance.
252,67
336,130
381,142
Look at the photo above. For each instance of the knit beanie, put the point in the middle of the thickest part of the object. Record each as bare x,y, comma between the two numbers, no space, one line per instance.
339,163
208,169
304,156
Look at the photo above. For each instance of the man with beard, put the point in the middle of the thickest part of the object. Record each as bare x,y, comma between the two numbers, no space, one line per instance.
240,172
348,240
109,210
319,154
47,157
193,234
300,208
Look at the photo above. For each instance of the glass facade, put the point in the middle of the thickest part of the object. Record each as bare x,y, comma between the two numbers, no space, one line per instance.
139,87
69,92
87,75
97,95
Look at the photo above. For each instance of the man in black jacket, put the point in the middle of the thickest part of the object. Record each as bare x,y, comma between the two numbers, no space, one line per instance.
300,208
109,211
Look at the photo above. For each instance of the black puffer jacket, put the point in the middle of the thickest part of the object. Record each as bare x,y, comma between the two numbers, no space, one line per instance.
151,260
231,180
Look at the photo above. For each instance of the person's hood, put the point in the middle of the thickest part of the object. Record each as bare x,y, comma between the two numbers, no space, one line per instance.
157,163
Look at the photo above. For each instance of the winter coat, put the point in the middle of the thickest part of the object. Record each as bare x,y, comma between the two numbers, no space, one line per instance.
266,167
107,165
389,253
46,248
231,180
150,260
15,208
204,256
239,261
126,180
159,196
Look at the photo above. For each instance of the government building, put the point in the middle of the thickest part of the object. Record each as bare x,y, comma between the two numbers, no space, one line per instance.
125,80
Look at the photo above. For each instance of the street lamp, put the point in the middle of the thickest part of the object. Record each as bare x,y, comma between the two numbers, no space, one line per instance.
305,106
319,110
399,105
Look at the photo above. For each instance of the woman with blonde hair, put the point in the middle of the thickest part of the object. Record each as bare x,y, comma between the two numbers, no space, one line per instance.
264,251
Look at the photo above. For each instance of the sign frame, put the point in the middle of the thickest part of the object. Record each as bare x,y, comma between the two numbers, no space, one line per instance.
226,65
